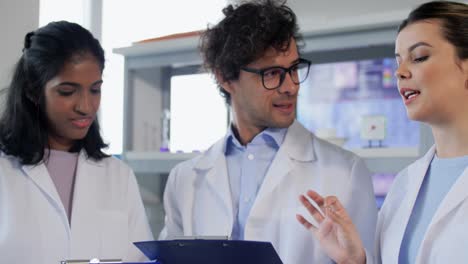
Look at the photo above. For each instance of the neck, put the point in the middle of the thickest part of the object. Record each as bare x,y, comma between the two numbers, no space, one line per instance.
451,140
245,132
57,143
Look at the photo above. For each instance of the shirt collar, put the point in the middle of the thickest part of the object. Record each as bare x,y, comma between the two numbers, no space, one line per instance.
272,137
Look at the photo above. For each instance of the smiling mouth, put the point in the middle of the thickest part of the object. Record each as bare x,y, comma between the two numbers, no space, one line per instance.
82,123
408,94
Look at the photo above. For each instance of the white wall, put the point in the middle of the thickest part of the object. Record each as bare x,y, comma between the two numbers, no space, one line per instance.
17,17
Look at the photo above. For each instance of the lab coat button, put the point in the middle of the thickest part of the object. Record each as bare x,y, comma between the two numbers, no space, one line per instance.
250,156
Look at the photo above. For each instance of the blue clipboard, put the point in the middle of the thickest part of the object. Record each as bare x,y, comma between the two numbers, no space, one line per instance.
199,251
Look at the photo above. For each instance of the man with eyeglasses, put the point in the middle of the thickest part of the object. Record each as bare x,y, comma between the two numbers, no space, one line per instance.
246,186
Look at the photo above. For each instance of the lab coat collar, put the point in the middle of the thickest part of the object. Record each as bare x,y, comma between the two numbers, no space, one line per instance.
416,174
83,157
456,195
296,148
209,158
40,176
297,145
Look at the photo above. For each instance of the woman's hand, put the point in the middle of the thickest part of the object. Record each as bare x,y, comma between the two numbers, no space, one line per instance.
336,232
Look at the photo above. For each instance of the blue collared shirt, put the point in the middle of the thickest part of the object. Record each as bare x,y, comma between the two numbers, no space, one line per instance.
247,167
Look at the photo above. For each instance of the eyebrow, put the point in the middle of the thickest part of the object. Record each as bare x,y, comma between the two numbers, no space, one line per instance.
76,84
296,61
292,63
414,46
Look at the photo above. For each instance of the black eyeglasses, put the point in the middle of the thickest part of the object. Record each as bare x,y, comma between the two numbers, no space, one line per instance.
273,77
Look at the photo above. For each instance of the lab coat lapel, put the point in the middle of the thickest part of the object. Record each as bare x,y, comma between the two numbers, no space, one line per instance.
213,164
85,200
416,174
457,194
454,197
297,147
279,168
40,176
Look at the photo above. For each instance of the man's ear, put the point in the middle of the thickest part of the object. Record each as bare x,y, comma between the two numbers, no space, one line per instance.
227,85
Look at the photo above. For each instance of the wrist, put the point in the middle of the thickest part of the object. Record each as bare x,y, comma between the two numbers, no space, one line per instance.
359,259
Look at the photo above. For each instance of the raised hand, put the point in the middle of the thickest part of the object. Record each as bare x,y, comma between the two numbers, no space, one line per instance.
336,232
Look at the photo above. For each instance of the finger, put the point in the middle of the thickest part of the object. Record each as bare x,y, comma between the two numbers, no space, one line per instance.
306,223
313,211
335,210
317,198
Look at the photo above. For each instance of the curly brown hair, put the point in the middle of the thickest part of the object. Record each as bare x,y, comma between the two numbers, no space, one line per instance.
244,35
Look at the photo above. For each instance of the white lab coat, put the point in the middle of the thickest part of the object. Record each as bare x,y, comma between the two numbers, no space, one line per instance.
107,214
198,202
446,238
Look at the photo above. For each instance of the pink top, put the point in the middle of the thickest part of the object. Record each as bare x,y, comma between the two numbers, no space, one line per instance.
62,170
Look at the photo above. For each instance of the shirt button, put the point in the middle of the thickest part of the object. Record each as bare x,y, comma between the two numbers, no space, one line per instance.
246,200
250,156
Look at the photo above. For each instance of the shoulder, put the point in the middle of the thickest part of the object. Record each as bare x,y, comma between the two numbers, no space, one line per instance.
114,163
331,155
185,172
109,170
303,142
328,151
204,160
9,162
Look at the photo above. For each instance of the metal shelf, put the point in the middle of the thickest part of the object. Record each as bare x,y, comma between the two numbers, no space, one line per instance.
377,159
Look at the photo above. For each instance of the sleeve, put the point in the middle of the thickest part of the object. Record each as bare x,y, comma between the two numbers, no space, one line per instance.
363,208
376,257
172,220
139,229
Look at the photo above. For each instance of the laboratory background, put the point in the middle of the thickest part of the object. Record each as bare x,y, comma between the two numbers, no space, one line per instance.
159,107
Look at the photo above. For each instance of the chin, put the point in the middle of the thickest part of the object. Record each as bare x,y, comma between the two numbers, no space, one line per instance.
78,136
415,115
282,123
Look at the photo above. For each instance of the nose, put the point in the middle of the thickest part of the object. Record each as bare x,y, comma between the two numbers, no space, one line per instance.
83,105
288,86
402,72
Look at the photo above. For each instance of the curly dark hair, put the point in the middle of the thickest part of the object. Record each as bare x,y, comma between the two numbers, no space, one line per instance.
23,125
244,35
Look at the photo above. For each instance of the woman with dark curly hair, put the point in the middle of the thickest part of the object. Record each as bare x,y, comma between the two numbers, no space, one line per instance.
61,196
424,216
245,186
